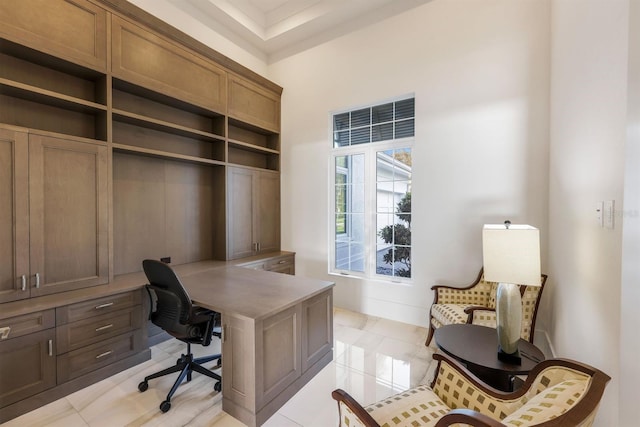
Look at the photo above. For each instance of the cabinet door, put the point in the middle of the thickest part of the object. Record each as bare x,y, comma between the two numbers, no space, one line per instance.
68,214
268,219
27,366
14,222
241,204
72,29
253,104
145,58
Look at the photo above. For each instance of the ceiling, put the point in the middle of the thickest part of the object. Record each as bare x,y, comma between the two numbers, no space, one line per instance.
274,29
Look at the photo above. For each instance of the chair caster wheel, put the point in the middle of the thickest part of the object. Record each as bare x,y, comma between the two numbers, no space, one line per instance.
165,406
218,386
143,386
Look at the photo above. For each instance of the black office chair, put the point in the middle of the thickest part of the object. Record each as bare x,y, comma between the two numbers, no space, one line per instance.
173,311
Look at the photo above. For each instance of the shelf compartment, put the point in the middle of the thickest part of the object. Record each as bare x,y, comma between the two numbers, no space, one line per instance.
46,74
128,131
253,135
121,148
25,111
157,108
261,159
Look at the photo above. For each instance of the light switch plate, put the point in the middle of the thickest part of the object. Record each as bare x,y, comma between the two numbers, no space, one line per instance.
609,211
600,214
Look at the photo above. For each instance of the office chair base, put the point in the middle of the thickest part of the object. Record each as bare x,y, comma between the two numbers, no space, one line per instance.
186,365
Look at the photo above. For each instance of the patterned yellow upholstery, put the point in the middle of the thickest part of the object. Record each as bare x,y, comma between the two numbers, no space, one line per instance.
556,387
450,304
418,406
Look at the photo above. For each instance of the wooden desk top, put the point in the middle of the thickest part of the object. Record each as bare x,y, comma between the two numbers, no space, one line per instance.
133,281
252,294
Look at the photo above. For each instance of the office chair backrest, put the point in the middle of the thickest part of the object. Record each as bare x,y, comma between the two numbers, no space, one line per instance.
173,305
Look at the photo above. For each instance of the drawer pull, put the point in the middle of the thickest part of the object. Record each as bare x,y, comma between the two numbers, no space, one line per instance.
23,278
109,304
4,332
106,353
284,261
50,347
102,328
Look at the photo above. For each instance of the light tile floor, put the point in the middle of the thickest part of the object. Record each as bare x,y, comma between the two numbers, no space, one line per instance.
373,359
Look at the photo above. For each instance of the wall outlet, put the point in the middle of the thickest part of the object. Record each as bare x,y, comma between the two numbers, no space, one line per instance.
166,260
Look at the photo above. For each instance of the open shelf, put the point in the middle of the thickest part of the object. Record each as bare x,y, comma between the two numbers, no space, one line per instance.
252,146
148,122
38,91
164,154
38,72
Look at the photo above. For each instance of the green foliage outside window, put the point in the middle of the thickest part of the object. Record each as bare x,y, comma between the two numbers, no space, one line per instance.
399,235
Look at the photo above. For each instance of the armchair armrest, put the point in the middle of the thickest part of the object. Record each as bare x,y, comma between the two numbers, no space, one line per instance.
477,293
348,403
467,416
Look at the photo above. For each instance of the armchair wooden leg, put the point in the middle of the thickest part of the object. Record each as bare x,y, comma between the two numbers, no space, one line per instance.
430,336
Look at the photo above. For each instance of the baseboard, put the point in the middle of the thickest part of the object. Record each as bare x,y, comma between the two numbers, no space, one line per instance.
542,341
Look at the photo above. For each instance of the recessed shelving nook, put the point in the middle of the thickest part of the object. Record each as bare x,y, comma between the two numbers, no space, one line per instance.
151,123
252,146
39,91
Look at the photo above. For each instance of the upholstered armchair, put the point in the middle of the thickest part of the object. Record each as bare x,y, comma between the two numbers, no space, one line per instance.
476,304
557,392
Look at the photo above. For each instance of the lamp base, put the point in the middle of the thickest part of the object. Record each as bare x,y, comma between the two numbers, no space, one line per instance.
511,358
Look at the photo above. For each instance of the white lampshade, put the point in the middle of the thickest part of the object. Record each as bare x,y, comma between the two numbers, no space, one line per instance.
511,255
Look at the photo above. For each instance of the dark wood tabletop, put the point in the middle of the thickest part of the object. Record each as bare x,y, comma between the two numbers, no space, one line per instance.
477,347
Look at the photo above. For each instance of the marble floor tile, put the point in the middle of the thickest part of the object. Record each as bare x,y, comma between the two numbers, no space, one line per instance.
373,359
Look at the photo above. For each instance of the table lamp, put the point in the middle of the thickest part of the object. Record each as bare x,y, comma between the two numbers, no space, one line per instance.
511,257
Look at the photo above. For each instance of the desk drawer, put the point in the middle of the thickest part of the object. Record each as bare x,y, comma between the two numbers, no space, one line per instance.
284,264
84,360
18,326
78,334
96,307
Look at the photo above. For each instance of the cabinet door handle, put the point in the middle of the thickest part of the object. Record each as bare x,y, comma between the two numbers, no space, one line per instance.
4,332
23,278
106,353
37,280
109,304
50,347
102,328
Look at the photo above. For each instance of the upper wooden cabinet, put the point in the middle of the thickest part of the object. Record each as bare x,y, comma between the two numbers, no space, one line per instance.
253,217
53,215
68,214
72,29
253,104
144,58
14,220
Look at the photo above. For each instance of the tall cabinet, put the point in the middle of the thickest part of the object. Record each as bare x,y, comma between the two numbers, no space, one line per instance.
121,139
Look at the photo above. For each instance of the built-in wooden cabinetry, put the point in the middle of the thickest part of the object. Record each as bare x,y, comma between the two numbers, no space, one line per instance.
253,198
120,139
55,220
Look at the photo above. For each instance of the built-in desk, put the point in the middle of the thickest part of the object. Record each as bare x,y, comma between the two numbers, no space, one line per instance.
277,334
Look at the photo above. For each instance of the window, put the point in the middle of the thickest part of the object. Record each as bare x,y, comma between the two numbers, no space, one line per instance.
371,191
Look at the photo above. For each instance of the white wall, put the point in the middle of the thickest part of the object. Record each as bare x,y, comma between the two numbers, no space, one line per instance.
172,12
588,121
480,74
630,213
